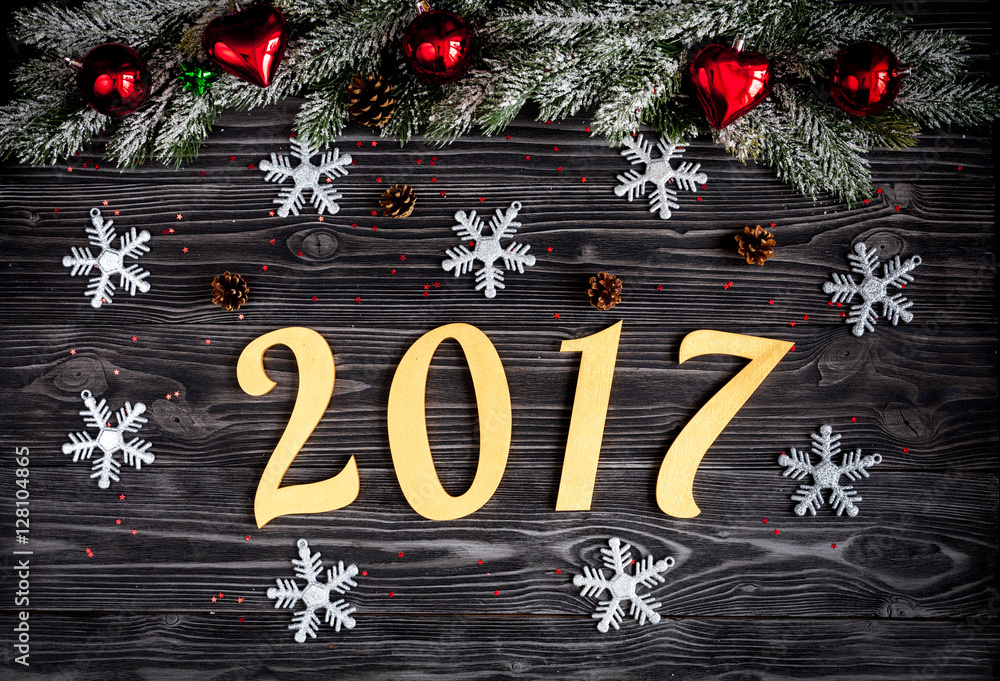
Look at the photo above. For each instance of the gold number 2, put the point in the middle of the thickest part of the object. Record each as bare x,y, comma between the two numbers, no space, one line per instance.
676,478
407,421
316,373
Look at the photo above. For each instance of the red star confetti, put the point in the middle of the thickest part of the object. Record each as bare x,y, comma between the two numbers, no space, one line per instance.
359,143
906,450
177,393
169,396
559,169
135,338
250,166
264,268
556,315
116,372
442,193
320,218
833,546
496,593
508,136
105,202
482,199
69,169
378,179
315,298
118,522
374,143
134,532
527,158
271,214
549,249
213,599
419,161
771,301
437,285
248,537
220,595
240,599
897,209
56,210
402,257
698,199
89,552
121,497
558,571
374,213
866,202
659,287
791,349
426,294
203,173
329,180
555,148
764,520
583,179
391,594
959,168
358,299
300,254
184,250
426,286
791,323
878,191
480,561
241,620
232,158
805,317
364,573
208,341
777,532
180,217
400,554
118,212
241,316
587,129
72,351
392,271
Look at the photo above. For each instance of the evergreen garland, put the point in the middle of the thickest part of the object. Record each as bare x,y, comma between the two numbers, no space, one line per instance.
622,60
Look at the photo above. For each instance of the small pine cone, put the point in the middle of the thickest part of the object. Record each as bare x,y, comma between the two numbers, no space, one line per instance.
230,291
398,201
605,291
757,244
369,99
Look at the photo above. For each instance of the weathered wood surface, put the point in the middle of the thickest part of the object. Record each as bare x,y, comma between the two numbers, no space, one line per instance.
909,592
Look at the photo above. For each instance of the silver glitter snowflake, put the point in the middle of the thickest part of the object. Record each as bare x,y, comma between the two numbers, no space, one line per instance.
487,249
109,439
306,176
873,289
110,261
623,586
826,475
659,172
316,595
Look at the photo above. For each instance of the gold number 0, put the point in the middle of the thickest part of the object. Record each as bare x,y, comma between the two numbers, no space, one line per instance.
676,478
407,422
316,374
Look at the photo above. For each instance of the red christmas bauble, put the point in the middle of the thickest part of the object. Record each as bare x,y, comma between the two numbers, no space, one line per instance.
865,78
438,46
113,79
728,82
248,44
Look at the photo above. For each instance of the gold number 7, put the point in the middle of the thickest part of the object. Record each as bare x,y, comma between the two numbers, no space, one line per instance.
676,478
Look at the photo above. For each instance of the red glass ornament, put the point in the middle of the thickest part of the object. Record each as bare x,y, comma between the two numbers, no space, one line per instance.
113,79
866,78
729,82
248,44
438,46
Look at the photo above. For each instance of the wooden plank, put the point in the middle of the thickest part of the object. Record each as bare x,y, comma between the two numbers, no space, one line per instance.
922,546
145,646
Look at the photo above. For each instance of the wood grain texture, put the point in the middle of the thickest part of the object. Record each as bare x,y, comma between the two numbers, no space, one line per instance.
909,592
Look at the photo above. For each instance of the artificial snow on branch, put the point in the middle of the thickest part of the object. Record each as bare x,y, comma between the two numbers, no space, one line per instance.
624,61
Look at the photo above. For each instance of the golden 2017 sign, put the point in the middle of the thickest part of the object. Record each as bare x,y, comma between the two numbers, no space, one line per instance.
411,452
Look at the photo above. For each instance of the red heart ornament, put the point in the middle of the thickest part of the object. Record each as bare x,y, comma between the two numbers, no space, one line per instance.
729,83
248,44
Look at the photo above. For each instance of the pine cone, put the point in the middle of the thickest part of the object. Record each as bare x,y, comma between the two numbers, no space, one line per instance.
756,244
605,291
369,99
230,291
398,201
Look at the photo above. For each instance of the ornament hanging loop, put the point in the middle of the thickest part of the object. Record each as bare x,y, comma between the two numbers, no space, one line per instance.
75,64
423,6
738,42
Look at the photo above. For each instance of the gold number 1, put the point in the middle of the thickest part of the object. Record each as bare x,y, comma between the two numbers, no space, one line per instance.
315,363
590,409
407,421
676,479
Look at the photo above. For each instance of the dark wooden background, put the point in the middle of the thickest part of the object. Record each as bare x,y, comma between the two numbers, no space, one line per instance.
909,592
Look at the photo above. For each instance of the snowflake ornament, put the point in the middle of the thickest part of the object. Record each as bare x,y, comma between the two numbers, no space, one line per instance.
316,595
873,289
110,261
659,172
487,249
623,586
826,475
306,176
109,439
